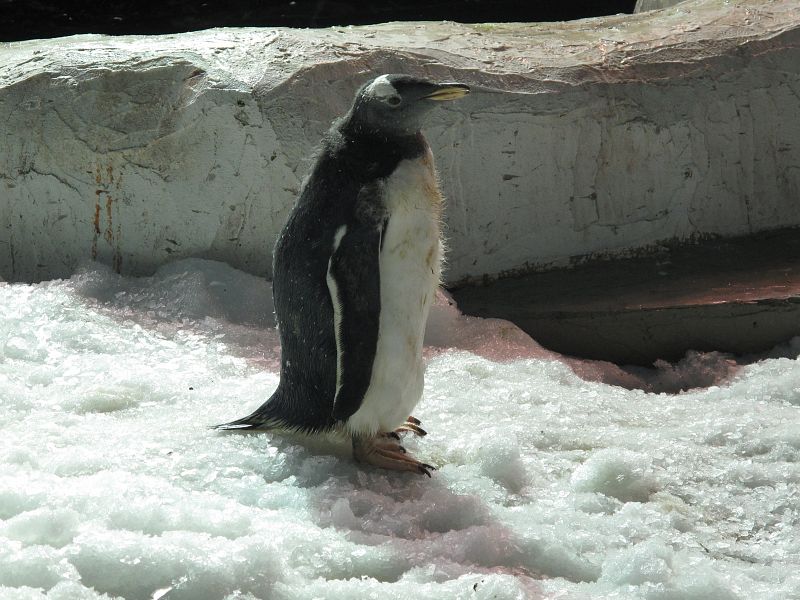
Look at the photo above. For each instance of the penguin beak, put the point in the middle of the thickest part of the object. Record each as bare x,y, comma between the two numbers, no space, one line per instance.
448,91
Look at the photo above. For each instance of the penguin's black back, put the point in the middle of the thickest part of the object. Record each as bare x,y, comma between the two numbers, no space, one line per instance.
350,165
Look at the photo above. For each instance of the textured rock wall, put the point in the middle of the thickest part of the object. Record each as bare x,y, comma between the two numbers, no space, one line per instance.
594,136
643,5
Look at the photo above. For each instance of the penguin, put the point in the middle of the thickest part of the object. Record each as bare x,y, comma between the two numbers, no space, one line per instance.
356,268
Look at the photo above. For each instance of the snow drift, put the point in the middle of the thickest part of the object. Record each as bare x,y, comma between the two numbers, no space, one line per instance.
552,482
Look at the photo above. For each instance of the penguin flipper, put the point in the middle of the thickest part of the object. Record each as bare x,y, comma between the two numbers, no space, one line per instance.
354,284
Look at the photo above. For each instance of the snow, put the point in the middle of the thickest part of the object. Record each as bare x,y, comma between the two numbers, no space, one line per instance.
553,483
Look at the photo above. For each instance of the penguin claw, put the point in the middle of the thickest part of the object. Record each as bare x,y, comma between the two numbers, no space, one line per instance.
379,452
425,469
413,420
415,429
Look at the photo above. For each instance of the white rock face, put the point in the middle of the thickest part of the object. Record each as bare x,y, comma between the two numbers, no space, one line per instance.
643,5
593,136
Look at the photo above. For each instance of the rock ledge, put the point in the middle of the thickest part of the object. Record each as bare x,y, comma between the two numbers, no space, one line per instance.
595,136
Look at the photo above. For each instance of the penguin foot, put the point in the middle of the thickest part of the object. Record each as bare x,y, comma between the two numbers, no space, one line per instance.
412,424
385,451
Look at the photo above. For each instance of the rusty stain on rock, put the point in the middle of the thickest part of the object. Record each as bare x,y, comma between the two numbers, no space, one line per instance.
111,237
109,234
96,223
96,220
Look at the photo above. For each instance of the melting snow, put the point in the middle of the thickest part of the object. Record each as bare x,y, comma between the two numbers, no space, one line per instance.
553,483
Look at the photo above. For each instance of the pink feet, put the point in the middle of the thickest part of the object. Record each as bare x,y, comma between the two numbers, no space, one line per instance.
385,451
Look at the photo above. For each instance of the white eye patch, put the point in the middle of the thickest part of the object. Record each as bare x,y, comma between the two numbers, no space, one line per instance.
380,88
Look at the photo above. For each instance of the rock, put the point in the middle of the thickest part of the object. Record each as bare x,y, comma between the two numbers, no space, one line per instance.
597,136
644,5
738,295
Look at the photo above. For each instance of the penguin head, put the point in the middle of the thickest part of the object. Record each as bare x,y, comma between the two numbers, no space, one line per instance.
397,104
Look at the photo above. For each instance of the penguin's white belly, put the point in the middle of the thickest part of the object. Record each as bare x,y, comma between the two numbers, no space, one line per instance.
410,266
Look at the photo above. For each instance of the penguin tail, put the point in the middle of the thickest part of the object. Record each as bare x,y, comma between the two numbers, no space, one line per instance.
257,420
276,414
263,418
238,425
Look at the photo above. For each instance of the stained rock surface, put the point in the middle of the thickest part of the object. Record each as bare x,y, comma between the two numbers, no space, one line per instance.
738,295
589,137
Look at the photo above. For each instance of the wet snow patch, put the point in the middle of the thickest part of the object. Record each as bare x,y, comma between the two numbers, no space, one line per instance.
552,483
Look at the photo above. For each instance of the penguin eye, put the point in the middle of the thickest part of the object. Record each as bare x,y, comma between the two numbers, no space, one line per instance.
394,100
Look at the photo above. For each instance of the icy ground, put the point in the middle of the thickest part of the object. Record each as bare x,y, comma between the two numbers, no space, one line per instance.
550,485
